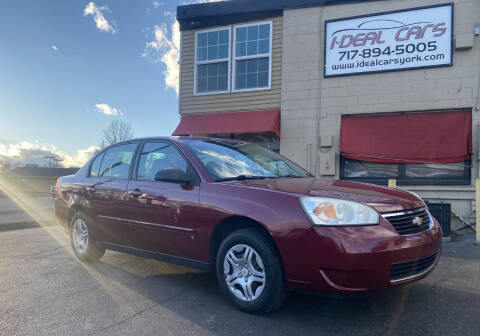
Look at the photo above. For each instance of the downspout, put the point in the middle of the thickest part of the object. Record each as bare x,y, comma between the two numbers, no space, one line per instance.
477,108
316,170
180,57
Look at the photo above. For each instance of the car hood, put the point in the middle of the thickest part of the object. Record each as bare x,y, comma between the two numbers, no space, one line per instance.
383,199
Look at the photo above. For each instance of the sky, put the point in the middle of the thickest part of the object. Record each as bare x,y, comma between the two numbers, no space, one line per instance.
68,68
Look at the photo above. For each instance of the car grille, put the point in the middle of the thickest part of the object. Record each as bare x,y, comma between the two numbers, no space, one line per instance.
409,222
412,268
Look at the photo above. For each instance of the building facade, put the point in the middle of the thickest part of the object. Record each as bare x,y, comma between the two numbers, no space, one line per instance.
357,90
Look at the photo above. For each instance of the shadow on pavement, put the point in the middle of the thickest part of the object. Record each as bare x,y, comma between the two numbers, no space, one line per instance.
423,308
45,290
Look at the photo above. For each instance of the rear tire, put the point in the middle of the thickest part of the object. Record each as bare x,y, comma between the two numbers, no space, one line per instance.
249,272
83,245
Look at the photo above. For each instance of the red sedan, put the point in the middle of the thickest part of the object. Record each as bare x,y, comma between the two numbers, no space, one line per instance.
265,225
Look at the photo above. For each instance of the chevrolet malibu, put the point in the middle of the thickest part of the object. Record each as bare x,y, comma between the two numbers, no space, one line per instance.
262,223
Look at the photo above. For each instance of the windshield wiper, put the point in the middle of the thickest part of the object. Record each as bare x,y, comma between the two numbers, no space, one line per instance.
241,178
292,176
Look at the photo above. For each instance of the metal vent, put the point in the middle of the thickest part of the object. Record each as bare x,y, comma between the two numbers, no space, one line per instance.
412,268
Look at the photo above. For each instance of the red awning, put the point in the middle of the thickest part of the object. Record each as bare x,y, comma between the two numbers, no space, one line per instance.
408,137
236,122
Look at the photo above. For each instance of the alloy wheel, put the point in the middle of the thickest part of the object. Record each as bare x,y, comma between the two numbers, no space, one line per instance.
80,236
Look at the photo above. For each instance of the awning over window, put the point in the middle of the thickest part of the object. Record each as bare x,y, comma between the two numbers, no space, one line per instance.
408,137
236,122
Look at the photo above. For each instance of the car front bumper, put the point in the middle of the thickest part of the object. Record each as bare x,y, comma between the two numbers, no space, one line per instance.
358,259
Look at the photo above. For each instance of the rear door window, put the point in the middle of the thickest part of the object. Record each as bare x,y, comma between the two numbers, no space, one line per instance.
117,162
95,167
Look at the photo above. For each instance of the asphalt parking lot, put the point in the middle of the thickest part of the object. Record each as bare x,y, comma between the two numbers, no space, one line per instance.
45,290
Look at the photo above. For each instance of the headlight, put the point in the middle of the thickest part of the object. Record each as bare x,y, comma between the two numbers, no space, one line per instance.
336,212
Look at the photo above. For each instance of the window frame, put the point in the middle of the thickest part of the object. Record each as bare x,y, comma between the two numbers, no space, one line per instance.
222,60
404,180
240,58
89,171
196,180
102,152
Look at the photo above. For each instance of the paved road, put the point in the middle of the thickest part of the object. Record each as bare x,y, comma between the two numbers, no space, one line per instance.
45,290
25,211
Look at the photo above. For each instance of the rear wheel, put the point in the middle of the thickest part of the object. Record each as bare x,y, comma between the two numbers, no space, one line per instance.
250,273
83,244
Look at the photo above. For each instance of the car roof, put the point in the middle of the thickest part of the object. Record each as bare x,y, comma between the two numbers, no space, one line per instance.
174,138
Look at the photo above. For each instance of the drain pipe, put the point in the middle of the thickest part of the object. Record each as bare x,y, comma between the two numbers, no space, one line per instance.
477,210
477,189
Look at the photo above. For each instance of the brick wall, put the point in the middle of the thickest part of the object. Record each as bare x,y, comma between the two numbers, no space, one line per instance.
312,105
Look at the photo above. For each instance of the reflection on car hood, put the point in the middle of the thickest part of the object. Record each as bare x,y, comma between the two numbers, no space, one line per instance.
381,198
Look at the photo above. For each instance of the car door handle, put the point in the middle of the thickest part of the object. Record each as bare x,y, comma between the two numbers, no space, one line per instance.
135,193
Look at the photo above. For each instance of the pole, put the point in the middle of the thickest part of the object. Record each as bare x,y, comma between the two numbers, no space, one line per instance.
477,209
392,183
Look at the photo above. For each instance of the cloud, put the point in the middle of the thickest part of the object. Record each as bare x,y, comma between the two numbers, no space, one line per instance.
108,110
19,154
189,2
98,16
157,4
165,46
169,14
54,47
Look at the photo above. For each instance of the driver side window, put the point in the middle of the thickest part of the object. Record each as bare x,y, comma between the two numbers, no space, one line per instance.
161,161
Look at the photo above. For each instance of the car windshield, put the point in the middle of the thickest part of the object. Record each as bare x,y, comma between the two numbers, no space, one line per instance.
229,160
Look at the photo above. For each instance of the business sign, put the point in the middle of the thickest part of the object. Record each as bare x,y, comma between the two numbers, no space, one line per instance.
400,40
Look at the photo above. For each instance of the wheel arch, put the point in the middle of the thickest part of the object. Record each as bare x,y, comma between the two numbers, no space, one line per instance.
235,223
71,212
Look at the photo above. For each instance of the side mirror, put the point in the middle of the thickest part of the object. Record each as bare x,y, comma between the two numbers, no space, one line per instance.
173,175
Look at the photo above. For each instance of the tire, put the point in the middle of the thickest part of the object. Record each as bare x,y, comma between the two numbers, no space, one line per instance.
87,250
241,259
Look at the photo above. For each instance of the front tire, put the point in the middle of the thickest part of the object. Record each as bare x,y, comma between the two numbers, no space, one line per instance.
250,273
83,244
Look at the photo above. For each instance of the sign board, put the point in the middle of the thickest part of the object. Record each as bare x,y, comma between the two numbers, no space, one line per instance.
391,41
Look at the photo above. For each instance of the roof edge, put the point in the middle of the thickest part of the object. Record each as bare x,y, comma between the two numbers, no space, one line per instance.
234,11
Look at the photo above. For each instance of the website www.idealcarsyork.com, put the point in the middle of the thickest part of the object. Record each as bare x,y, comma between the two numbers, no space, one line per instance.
391,61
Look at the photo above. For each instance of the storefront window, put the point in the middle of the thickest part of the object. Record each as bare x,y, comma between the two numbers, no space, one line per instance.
407,174
266,139
363,169
372,145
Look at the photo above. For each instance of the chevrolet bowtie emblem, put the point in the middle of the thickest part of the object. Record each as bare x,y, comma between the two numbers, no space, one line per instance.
418,221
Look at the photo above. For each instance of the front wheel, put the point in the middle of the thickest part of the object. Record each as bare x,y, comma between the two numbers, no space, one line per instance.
82,242
250,273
